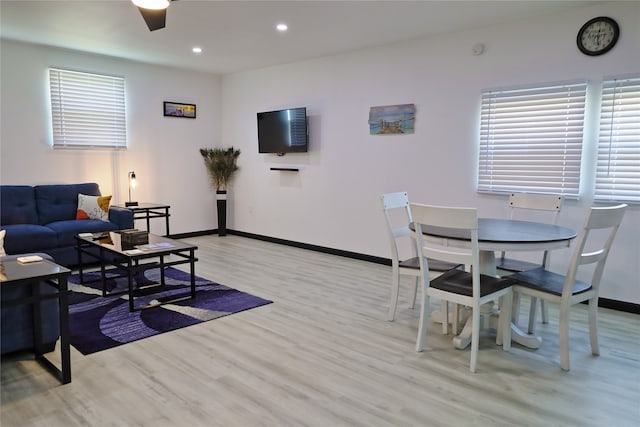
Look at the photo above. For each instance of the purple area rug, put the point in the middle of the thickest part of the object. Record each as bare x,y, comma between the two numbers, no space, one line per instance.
98,323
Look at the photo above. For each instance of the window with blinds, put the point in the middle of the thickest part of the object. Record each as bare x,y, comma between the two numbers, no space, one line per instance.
88,110
618,164
531,139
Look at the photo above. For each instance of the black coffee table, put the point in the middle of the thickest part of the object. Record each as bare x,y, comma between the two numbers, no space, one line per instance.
32,274
160,252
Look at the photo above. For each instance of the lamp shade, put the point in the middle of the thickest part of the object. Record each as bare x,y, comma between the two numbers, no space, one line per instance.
132,184
151,4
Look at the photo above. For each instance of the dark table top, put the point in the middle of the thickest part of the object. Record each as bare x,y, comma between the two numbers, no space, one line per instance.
507,231
143,206
157,245
14,271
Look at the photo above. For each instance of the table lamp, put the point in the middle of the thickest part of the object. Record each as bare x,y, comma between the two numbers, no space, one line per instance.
132,184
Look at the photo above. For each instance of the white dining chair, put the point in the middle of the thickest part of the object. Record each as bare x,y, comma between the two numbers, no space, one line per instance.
567,290
528,206
521,205
470,289
398,217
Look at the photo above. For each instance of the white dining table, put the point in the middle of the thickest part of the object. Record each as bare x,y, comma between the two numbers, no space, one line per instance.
496,234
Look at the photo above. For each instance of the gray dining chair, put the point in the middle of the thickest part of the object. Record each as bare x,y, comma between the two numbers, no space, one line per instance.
397,214
529,206
468,288
592,248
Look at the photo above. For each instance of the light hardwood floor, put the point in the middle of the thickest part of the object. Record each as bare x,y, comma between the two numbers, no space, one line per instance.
323,355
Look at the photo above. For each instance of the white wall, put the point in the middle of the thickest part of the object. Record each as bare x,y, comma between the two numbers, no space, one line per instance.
334,200
163,151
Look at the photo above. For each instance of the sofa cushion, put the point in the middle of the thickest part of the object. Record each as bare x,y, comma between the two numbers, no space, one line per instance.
121,217
17,205
22,238
67,230
60,202
93,207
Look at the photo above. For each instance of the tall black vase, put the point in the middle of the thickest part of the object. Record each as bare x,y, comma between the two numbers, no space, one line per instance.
221,199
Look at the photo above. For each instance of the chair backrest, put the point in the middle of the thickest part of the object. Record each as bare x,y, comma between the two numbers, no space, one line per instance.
545,204
597,249
535,201
449,217
398,217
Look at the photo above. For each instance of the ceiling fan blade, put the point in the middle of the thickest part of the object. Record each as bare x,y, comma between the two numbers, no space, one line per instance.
155,19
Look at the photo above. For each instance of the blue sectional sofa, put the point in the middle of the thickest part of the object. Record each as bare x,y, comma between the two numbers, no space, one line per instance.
42,218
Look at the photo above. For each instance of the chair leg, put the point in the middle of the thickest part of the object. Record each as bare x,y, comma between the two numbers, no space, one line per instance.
413,292
444,308
564,336
500,326
516,308
475,337
424,320
545,311
395,287
532,315
456,319
593,326
505,320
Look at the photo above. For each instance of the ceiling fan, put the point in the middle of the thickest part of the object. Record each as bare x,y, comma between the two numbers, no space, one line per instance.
154,12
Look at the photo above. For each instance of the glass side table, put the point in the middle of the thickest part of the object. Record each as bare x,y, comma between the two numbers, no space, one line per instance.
149,210
32,274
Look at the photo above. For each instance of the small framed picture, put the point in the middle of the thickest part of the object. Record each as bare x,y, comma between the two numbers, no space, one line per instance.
177,109
392,119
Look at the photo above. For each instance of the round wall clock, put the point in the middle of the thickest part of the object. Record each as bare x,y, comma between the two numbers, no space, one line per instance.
598,36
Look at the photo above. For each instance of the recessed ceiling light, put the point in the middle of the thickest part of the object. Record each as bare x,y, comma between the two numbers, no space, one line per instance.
282,27
196,49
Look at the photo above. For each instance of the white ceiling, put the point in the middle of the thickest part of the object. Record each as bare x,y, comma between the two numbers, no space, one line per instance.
241,35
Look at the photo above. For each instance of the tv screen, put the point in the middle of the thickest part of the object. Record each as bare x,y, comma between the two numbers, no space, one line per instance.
283,131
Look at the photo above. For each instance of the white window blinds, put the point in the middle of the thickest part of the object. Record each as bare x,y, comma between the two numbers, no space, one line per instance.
618,165
531,139
88,110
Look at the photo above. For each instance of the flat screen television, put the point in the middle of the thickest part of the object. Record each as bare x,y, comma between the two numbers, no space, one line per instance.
283,131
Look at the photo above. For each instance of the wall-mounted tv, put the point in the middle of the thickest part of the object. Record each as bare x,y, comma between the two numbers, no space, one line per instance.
283,131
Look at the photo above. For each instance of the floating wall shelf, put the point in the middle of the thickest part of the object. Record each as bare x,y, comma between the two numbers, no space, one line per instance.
286,169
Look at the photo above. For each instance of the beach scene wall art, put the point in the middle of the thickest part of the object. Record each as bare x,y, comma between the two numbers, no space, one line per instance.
392,119
177,109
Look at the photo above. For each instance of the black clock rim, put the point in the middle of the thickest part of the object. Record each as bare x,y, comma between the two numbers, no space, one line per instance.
616,35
